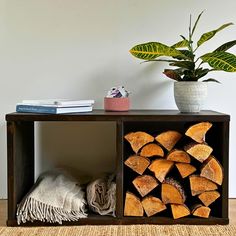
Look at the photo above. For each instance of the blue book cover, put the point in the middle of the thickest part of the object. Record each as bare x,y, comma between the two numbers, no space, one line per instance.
51,110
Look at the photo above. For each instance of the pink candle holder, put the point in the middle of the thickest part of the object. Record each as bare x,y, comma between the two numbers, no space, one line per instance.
116,104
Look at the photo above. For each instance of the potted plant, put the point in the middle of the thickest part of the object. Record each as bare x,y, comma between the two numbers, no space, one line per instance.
189,91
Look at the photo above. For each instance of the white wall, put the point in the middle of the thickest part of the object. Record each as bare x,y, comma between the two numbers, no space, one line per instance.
79,49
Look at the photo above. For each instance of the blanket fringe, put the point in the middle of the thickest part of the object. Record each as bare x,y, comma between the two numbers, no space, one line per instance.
31,209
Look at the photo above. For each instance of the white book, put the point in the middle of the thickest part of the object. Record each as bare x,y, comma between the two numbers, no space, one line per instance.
58,102
51,109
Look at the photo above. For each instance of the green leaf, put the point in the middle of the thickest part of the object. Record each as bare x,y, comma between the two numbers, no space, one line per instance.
226,46
188,54
196,22
152,50
184,64
205,37
200,72
221,61
162,60
211,80
181,44
172,74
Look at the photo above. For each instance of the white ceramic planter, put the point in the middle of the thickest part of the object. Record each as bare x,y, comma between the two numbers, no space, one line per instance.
190,95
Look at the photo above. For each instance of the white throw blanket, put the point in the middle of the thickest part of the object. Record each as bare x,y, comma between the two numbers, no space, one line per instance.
54,198
101,196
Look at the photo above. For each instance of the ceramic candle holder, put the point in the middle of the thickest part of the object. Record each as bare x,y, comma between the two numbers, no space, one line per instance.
116,104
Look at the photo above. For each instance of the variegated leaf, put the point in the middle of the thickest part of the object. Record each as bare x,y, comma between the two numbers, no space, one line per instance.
205,37
181,44
184,64
152,50
221,61
226,46
172,74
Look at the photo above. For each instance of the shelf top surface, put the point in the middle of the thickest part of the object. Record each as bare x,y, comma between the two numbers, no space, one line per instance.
102,115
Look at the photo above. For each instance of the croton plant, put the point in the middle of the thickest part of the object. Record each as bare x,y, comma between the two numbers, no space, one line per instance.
189,67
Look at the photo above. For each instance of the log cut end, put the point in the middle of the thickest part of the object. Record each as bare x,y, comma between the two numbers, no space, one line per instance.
198,131
185,169
212,170
172,192
179,211
138,139
201,211
145,184
151,150
137,163
133,206
178,156
207,198
200,151
161,168
152,205
200,184
168,139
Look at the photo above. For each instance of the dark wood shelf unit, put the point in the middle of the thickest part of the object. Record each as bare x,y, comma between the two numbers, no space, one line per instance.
20,155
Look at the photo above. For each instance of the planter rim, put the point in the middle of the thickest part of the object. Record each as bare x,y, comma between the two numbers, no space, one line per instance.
189,82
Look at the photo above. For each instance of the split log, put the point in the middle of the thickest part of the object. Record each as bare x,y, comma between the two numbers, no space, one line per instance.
151,150
161,168
201,211
185,169
152,205
168,139
198,131
200,151
138,139
178,156
172,192
133,206
212,170
137,163
145,184
207,198
179,211
200,184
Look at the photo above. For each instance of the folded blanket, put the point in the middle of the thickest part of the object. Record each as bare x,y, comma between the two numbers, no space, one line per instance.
55,197
101,195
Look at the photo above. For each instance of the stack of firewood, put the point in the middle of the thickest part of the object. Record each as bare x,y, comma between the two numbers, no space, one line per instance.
154,160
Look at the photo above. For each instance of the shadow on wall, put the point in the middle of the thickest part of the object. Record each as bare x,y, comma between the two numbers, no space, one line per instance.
149,87
82,148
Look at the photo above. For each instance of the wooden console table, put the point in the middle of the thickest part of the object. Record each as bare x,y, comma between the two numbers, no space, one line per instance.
20,155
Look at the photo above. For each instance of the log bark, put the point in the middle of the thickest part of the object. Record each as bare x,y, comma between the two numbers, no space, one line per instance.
200,151
133,206
178,156
137,163
168,139
161,168
138,139
172,192
185,169
207,198
145,184
179,211
212,170
200,184
201,211
198,131
152,205
151,150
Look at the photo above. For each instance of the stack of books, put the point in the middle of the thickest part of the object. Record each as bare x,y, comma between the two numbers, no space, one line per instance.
55,106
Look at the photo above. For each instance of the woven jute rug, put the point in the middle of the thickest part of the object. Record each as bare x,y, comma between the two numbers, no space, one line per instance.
131,230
